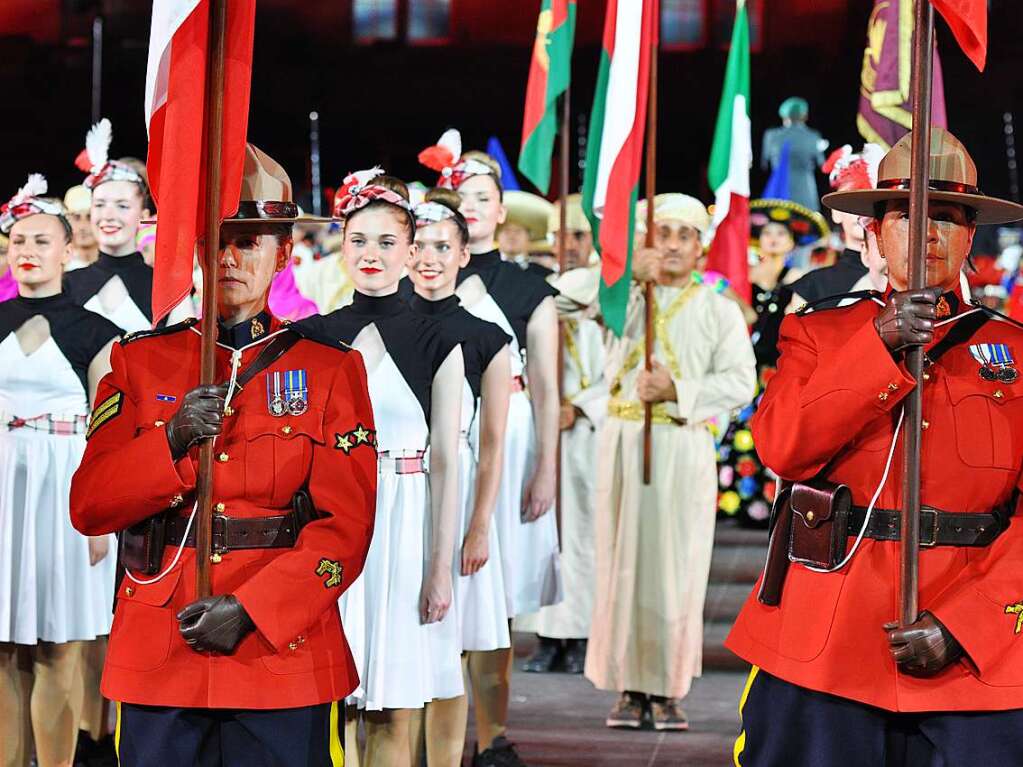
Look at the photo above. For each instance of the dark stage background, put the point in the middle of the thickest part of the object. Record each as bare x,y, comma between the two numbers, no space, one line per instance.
383,102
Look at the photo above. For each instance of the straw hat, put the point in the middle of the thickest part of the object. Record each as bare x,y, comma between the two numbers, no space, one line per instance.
78,199
575,219
531,212
266,193
673,206
953,179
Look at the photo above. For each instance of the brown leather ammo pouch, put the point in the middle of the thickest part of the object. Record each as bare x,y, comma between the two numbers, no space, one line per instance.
140,547
820,523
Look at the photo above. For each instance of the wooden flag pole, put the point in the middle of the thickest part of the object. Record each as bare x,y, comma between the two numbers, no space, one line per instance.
207,369
565,148
648,288
923,53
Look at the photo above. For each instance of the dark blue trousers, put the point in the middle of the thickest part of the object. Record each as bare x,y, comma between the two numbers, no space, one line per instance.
784,725
157,736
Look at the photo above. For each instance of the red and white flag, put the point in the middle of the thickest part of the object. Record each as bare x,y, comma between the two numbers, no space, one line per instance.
179,47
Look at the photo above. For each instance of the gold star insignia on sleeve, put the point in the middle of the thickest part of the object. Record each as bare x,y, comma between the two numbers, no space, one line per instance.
343,443
362,434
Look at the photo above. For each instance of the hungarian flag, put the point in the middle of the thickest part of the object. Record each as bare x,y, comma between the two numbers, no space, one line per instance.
550,72
730,160
968,20
614,152
179,47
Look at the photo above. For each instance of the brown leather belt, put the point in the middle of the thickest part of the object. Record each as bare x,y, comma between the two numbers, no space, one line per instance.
937,528
233,533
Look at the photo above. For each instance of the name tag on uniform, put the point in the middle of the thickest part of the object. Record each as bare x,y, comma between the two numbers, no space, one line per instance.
996,362
287,392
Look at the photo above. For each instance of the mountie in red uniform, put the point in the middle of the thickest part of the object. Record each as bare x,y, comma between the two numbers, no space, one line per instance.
835,403
297,655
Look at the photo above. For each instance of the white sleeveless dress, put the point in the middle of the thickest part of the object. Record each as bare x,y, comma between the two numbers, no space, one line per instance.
126,316
480,598
529,550
401,662
48,590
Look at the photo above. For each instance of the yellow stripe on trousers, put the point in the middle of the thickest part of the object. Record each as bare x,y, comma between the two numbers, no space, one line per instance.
337,752
740,742
117,733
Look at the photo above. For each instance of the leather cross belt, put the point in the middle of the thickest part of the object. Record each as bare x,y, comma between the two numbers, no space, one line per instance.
232,533
937,528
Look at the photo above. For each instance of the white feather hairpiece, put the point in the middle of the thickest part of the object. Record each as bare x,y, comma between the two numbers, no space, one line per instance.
872,154
363,177
35,186
97,144
451,140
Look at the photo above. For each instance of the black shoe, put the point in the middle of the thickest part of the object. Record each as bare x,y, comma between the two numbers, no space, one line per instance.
500,754
574,658
546,656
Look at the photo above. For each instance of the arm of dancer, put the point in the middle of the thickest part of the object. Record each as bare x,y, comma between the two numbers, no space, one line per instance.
445,416
542,367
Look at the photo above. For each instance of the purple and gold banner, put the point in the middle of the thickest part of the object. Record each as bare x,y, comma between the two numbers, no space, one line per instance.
885,113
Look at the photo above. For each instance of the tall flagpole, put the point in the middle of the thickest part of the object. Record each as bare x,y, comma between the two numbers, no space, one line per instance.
565,149
923,54
314,162
648,288
97,69
207,370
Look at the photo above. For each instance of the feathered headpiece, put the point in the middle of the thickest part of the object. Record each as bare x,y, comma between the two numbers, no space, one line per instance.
95,158
357,192
28,201
445,157
850,171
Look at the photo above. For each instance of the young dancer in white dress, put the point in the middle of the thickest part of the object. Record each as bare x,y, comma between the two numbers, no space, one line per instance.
416,379
56,585
523,305
119,284
442,238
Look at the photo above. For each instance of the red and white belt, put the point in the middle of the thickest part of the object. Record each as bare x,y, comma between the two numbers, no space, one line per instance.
401,462
50,423
518,383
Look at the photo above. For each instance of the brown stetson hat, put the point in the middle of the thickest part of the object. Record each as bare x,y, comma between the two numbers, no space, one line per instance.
953,179
266,193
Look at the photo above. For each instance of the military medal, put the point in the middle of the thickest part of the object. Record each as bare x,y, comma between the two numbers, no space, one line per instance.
275,402
996,362
296,393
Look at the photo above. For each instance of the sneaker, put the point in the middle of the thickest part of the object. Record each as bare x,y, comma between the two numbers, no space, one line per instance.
546,655
500,754
667,714
574,658
628,711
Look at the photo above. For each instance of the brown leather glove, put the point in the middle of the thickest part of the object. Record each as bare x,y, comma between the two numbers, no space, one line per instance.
923,648
908,318
199,417
214,623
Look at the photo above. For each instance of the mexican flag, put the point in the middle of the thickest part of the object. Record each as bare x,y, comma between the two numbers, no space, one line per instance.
550,72
614,152
730,160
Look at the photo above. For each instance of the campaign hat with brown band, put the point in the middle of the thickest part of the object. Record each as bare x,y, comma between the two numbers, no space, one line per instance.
266,193
953,178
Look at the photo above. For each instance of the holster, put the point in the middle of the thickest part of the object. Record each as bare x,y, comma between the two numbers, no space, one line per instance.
140,547
809,525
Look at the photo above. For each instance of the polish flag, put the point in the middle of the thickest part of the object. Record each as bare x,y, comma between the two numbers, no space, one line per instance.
179,46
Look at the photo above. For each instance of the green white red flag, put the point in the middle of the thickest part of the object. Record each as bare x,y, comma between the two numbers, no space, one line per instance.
550,73
730,158
614,153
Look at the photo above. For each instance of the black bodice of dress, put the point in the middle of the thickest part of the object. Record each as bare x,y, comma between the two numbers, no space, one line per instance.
770,305
78,333
480,340
817,285
134,272
516,291
417,343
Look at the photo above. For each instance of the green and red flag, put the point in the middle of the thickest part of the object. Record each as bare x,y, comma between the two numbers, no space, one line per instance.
550,72
730,158
614,152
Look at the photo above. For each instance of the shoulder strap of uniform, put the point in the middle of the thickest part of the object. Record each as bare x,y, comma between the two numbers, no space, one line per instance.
317,336
994,313
837,297
176,327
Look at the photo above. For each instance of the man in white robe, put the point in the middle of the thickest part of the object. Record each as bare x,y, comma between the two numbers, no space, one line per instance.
654,541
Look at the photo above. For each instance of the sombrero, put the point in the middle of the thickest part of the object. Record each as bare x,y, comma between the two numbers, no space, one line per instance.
953,178
807,226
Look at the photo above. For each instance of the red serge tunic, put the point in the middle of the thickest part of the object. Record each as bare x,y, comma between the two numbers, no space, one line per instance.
297,656
837,397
